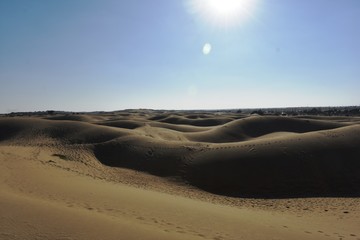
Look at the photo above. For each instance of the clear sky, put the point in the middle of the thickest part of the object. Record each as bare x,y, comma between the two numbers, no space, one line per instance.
85,55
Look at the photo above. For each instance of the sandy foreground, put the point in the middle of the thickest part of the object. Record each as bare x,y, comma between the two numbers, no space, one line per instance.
157,176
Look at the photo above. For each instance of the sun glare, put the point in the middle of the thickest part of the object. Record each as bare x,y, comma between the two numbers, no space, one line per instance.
224,13
225,7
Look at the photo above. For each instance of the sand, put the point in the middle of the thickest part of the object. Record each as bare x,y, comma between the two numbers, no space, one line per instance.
179,175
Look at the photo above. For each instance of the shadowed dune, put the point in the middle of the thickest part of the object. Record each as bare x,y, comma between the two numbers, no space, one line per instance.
252,127
128,124
158,117
324,163
22,130
195,122
265,156
346,119
76,117
157,157
179,127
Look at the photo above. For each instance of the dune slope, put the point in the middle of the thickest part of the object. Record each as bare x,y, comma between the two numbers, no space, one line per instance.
247,157
179,175
43,197
323,163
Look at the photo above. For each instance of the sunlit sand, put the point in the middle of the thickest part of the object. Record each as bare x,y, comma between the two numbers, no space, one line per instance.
143,174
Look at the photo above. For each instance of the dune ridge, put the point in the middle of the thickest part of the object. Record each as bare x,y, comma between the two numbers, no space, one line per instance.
131,175
235,155
322,163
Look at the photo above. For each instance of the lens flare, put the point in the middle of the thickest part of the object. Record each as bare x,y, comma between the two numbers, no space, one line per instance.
207,48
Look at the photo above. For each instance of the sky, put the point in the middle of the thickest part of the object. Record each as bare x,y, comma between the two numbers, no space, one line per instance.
104,55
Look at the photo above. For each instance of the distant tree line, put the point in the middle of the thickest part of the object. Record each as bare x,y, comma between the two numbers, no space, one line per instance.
315,111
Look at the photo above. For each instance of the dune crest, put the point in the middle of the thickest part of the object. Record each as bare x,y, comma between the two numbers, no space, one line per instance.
255,156
158,175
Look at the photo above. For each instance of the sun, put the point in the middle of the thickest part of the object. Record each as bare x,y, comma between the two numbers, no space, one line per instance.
223,12
225,8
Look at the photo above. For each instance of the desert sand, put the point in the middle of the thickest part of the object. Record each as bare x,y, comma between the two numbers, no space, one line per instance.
143,174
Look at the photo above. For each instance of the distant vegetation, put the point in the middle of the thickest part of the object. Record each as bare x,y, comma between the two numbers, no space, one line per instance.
316,111
293,111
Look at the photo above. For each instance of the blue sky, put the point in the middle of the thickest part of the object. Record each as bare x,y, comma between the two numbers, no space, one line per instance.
85,55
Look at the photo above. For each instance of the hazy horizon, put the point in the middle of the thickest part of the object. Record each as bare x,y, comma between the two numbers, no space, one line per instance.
188,54
245,109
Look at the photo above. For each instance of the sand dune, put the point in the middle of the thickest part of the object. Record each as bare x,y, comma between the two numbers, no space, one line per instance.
252,127
20,130
73,168
128,124
179,127
323,163
75,117
252,157
207,121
